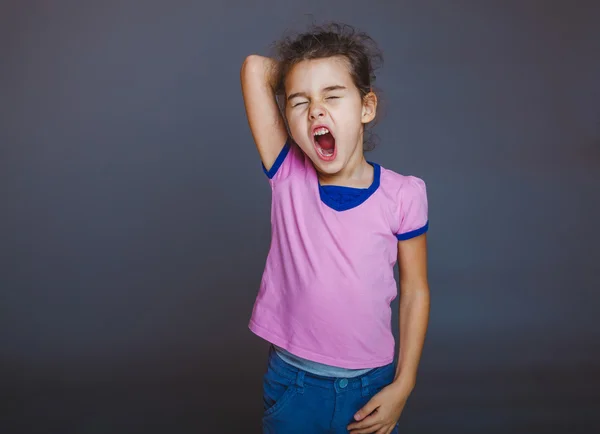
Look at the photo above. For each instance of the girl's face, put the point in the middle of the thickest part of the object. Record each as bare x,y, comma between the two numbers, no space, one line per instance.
326,113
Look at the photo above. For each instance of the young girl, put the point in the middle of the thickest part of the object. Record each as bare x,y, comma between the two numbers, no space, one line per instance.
339,225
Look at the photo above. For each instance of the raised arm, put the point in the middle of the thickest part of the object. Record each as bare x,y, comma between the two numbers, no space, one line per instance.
266,122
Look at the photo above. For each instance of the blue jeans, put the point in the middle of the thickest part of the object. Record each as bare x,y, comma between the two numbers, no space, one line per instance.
297,402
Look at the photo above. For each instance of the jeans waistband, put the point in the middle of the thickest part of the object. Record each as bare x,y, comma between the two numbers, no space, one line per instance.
300,377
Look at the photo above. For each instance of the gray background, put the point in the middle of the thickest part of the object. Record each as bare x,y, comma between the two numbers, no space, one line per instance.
134,217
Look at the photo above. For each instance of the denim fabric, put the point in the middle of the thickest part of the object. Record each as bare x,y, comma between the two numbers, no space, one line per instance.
298,402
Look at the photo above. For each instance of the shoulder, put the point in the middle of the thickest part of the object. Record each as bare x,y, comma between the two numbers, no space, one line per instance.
402,186
407,197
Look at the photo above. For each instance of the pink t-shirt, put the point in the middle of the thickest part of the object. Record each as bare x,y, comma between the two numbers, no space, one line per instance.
329,276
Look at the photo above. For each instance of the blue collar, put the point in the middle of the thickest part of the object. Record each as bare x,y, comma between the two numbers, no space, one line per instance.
342,198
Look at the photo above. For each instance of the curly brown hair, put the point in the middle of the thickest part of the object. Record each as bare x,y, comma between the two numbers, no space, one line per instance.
329,40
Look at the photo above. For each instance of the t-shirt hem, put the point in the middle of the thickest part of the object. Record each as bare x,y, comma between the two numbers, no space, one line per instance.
412,234
315,357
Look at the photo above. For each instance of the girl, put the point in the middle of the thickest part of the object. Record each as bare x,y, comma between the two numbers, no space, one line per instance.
339,225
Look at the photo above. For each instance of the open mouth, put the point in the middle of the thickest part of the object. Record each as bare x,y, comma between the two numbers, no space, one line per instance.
324,143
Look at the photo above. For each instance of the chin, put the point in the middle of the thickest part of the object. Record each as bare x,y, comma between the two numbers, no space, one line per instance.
329,167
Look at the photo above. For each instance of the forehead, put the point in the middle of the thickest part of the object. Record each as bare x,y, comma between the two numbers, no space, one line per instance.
314,74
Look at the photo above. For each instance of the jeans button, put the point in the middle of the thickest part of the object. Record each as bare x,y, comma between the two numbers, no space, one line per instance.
343,383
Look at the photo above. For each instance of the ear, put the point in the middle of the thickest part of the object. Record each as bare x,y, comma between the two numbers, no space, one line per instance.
369,109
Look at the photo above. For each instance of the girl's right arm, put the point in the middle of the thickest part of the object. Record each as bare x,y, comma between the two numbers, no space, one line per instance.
266,122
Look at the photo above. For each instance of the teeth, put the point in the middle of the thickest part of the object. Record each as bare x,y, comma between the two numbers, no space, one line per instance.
321,131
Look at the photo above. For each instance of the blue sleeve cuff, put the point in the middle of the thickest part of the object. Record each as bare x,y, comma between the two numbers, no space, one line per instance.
278,162
413,234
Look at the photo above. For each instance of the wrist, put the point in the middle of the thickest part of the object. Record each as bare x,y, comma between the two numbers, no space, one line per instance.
404,383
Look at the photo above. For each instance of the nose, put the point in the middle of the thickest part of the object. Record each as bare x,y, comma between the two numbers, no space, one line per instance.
316,111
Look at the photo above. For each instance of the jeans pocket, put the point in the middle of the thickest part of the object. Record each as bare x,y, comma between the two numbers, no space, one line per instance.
384,378
277,392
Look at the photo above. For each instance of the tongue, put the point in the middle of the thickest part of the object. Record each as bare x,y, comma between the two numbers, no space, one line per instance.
326,142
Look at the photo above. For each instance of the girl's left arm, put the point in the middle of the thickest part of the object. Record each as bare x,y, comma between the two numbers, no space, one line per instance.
382,412
414,309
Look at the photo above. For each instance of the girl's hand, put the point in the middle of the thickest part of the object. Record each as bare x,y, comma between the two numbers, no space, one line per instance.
382,412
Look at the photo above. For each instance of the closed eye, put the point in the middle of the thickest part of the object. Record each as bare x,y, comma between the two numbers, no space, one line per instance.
299,103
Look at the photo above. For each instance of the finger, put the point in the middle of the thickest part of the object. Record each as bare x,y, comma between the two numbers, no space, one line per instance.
369,423
367,430
368,408
384,429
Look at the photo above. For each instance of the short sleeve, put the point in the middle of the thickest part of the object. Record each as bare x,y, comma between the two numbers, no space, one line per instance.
414,218
288,159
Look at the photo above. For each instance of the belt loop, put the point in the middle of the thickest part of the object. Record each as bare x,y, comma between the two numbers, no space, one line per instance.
364,381
300,381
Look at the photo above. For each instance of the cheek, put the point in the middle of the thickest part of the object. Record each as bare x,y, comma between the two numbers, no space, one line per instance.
298,132
296,123
351,110
352,120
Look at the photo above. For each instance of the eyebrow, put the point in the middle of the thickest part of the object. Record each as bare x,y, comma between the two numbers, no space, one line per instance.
325,89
